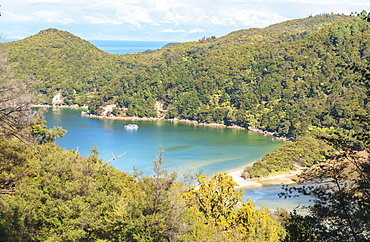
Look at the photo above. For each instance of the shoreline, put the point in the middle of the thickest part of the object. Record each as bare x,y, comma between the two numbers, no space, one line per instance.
288,178
58,106
255,183
175,120
275,135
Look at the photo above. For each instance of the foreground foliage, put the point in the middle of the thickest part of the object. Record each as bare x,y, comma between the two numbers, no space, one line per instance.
61,196
220,205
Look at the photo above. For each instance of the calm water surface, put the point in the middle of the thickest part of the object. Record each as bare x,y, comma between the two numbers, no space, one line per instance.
118,47
187,147
122,47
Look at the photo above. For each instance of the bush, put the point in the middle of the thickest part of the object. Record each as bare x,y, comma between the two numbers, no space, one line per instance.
306,151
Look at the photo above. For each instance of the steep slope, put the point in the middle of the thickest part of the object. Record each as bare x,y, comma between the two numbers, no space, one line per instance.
293,29
283,86
61,61
283,78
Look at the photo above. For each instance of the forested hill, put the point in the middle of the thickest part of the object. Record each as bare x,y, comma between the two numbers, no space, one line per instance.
61,61
289,30
282,78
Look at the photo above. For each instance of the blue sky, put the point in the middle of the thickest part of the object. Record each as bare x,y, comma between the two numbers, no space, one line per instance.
161,20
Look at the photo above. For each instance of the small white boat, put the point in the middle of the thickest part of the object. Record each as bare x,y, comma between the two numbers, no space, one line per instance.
131,126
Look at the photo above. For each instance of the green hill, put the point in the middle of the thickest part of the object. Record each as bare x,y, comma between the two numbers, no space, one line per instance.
287,78
283,78
61,61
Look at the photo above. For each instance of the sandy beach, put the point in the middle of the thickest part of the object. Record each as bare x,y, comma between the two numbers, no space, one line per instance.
280,179
275,136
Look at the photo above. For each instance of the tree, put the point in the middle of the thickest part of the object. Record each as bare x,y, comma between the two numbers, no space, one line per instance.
340,210
16,99
156,211
218,199
221,208
64,197
341,187
45,135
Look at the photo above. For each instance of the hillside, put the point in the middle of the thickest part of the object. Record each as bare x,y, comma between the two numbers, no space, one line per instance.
283,78
294,29
287,78
61,61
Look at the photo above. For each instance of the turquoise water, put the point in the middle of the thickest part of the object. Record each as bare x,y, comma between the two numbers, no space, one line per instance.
187,148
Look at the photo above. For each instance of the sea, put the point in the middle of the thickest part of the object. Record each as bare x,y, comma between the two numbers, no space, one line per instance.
122,47
187,147
119,47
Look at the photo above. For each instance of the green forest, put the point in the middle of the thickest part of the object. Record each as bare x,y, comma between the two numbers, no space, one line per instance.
284,78
305,79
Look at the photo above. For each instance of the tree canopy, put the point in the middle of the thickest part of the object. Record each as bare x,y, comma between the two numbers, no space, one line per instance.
309,75
284,78
339,188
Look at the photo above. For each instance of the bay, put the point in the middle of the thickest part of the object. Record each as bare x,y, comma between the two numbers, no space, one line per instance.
188,148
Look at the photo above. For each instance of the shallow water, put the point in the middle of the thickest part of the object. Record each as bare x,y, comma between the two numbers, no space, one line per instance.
268,196
187,147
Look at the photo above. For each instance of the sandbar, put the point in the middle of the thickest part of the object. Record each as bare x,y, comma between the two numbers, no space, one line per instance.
274,179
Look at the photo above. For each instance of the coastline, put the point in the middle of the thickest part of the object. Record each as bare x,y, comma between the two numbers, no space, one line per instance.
85,114
58,106
276,136
279,179
254,129
275,179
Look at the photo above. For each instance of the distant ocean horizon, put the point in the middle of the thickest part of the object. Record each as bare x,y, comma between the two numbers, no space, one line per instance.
120,47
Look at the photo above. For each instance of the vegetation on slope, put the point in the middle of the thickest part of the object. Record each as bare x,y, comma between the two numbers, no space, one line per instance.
339,189
305,152
282,78
51,194
48,194
59,60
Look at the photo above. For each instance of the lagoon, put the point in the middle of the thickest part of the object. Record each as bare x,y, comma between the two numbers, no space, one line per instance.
188,148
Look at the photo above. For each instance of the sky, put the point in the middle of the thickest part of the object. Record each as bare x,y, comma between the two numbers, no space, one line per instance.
158,20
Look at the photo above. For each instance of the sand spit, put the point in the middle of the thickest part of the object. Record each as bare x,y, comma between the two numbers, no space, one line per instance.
280,179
